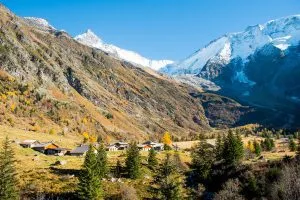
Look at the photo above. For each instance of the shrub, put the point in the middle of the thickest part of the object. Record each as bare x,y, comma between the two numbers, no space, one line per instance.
108,115
52,131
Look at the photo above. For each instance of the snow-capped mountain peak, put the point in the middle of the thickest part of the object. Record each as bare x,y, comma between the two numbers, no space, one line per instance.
280,33
39,23
90,39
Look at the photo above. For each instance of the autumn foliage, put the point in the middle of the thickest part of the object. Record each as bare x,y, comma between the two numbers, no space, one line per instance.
167,138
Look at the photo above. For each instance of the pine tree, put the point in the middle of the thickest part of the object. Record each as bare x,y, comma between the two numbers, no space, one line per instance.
298,146
152,161
118,169
219,147
268,144
292,145
89,187
178,162
240,147
262,145
233,148
101,161
167,182
272,143
8,181
298,149
133,161
202,160
257,148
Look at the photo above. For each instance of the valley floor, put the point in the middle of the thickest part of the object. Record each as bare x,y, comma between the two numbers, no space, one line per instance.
39,173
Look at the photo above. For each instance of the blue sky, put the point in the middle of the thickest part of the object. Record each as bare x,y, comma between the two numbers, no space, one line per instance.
158,29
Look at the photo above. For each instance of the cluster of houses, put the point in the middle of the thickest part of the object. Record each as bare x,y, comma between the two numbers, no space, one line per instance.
146,146
50,148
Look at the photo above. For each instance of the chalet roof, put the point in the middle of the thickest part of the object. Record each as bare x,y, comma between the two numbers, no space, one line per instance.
44,144
28,141
150,143
158,145
81,149
62,149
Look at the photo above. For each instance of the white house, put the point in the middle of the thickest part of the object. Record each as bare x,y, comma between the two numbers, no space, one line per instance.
155,145
144,147
112,148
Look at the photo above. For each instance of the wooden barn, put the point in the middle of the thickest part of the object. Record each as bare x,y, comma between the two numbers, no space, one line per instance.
46,148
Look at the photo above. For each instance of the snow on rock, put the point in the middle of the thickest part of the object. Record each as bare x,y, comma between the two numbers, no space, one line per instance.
38,23
281,33
197,82
195,63
91,39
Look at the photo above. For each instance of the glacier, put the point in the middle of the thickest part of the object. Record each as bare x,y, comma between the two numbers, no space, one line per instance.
281,33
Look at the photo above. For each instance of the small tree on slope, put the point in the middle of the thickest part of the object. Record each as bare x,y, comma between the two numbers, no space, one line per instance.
8,181
89,187
152,161
133,161
101,162
167,182
233,148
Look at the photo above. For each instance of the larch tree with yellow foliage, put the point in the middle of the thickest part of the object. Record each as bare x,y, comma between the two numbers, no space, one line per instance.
167,140
92,139
85,137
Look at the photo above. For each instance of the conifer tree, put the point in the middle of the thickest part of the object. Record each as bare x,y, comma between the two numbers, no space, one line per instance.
272,143
166,182
152,161
219,147
178,162
233,148
298,147
118,169
89,187
133,161
101,162
240,146
268,144
8,181
257,148
202,160
292,145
